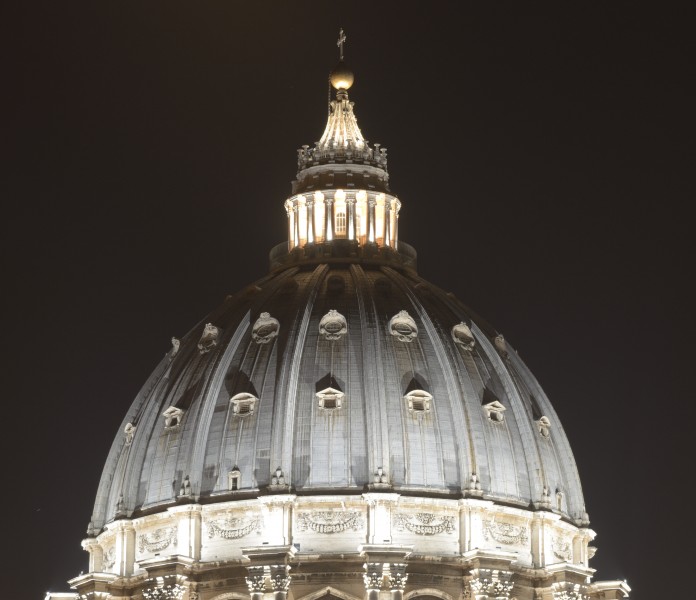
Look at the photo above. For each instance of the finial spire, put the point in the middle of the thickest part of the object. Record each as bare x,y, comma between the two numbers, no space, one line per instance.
340,42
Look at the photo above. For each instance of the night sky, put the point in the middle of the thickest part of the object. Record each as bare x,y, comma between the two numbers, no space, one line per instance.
543,153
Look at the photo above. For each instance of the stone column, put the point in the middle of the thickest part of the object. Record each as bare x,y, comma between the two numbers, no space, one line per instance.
280,581
310,220
296,212
256,582
371,220
397,580
288,210
373,580
329,219
350,202
387,222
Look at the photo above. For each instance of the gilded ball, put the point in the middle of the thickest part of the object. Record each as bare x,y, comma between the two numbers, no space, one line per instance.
341,77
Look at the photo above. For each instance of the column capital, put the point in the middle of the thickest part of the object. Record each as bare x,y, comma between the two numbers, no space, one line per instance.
491,582
397,576
374,576
256,580
280,577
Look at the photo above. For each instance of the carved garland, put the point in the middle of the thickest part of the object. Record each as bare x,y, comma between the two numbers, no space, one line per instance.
233,528
505,533
330,521
109,558
561,549
157,540
424,523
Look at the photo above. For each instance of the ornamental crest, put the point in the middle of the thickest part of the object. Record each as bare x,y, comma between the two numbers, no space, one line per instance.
328,521
333,325
209,339
233,528
157,540
505,533
403,327
265,328
424,523
462,336
561,549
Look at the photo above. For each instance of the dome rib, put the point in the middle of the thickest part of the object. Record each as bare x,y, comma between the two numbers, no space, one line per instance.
282,443
209,401
377,431
454,398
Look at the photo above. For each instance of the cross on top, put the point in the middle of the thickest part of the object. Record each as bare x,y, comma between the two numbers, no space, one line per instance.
340,42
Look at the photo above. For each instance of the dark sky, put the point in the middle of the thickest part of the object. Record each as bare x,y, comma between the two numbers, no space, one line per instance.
543,153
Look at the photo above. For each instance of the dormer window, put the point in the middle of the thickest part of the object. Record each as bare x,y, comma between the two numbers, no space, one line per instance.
330,398
243,405
418,401
172,417
234,479
494,411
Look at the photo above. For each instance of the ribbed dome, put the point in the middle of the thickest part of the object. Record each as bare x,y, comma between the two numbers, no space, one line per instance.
343,377
341,429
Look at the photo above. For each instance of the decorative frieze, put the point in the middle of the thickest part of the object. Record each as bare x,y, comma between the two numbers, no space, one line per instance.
423,523
330,521
233,528
505,533
158,540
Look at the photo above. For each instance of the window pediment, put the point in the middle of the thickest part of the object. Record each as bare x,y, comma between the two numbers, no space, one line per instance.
330,398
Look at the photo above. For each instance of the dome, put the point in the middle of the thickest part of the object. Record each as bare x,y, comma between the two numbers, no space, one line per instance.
430,395
341,428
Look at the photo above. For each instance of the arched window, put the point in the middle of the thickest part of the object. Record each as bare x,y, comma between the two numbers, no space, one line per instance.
340,214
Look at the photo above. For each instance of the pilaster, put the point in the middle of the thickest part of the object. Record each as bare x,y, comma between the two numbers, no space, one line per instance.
380,507
96,554
188,529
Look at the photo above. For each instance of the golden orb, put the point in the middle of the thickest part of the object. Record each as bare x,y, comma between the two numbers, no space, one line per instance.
341,77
